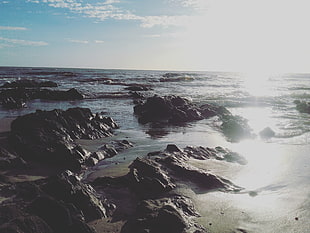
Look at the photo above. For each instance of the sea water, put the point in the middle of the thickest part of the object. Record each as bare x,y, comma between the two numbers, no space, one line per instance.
276,178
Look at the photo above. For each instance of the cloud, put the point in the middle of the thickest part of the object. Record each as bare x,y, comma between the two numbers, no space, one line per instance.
12,28
99,41
8,42
78,41
152,36
109,10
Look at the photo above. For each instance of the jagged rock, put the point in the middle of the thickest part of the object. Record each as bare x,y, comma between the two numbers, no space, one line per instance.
48,136
163,215
28,83
148,179
11,103
177,110
267,133
69,189
10,161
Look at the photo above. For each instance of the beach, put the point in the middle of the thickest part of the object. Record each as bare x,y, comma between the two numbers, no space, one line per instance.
182,127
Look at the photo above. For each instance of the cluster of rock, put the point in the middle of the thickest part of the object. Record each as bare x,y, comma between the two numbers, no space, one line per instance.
150,188
177,110
302,106
49,137
58,204
15,94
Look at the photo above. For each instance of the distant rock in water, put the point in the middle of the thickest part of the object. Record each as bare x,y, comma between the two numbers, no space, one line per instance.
17,97
267,133
176,77
177,110
302,106
48,136
28,83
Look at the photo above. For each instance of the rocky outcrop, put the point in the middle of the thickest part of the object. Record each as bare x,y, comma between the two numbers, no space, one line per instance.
49,136
150,188
169,109
177,110
59,204
28,83
164,215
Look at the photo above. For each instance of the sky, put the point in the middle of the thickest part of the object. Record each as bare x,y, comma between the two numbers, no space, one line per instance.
217,35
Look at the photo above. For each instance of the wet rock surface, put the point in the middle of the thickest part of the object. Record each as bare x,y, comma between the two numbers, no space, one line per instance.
48,136
176,110
58,204
151,184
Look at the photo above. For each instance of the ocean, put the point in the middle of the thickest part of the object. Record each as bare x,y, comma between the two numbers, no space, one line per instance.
276,177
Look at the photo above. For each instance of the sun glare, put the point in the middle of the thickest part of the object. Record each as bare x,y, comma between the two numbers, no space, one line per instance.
257,83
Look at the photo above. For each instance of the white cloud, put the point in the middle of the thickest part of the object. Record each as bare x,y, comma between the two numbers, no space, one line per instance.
99,41
10,42
78,41
108,10
152,36
12,28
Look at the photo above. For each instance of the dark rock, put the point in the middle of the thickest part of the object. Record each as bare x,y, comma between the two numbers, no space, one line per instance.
267,133
71,94
235,128
173,148
302,106
138,87
26,224
164,215
176,110
148,179
69,189
171,109
53,212
10,161
48,136
28,83
17,97
11,103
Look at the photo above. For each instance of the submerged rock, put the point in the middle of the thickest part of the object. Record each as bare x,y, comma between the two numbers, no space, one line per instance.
267,133
302,106
48,136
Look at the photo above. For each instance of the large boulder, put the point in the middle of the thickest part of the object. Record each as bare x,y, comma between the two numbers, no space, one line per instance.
176,110
48,136
170,109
